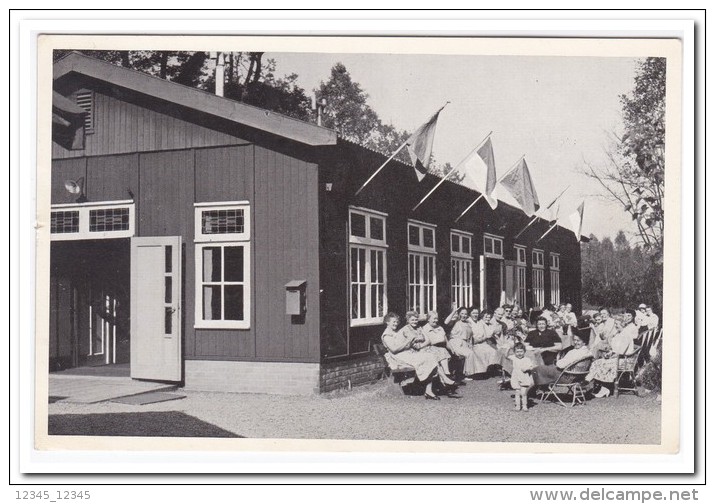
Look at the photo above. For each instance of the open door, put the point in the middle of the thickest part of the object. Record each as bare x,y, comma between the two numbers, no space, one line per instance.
156,308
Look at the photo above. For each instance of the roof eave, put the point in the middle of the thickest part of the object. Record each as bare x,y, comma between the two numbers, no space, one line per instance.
188,97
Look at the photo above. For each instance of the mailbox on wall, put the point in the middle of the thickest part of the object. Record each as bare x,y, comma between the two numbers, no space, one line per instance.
295,297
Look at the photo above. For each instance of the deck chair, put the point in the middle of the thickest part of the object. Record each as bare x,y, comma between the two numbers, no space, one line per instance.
570,382
626,367
401,374
646,341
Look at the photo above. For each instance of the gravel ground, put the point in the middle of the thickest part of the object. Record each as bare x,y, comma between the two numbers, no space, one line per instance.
381,412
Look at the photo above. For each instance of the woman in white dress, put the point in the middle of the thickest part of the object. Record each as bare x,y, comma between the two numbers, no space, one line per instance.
484,332
431,339
460,340
400,350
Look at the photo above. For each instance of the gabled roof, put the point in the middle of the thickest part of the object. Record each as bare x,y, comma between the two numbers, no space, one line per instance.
184,96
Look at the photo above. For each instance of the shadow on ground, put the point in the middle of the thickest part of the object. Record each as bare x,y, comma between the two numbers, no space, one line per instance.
150,423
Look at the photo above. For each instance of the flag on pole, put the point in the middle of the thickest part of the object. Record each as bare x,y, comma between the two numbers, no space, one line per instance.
519,184
576,220
419,145
479,166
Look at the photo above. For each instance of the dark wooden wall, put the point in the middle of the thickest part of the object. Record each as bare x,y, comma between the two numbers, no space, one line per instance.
395,191
165,165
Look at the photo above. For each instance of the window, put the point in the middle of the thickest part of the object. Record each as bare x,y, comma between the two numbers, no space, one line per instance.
461,246
521,275
85,100
223,264
537,263
493,247
368,267
92,221
421,273
554,264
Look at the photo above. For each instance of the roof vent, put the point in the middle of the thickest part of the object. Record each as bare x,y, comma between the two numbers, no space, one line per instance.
85,100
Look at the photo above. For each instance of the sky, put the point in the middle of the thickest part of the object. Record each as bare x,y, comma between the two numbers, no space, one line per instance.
555,110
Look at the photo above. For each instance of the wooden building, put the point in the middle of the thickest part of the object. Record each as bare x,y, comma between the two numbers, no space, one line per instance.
211,243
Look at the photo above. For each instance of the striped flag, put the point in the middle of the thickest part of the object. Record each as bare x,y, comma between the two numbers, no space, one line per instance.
519,184
419,145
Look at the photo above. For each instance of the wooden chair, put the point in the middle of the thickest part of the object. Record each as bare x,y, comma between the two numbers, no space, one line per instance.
626,367
401,374
570,382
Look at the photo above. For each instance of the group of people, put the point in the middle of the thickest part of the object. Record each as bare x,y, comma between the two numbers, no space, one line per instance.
504,339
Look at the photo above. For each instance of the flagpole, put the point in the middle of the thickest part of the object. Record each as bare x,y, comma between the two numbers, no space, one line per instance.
482,195
547,232
452,171
536,217
381,167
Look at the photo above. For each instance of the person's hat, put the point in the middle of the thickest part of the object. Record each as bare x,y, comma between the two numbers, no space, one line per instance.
642,306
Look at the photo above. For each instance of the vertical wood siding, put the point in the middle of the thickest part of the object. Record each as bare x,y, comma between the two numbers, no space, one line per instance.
122,127
285,248
112,177
224,174
63,170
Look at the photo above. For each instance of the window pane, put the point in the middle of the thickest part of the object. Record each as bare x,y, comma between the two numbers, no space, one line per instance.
380,266
466,245
488,246
212,264
233,303
233,264
363,301
380,301
373,300
225,221
167,320
64,222
455,243
167,258
376,229
357,225
212,302
361,269
167,289
353,264
355,302
497,247
413,235
428,235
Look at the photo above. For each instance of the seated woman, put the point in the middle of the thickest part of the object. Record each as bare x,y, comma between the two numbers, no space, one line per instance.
460,340
432,340
605,369
400,350
544,341
548,373
484,333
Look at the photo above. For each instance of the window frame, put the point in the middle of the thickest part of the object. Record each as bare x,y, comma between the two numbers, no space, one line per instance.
421,248
463,263
84,210
493,239
535,253
517,249
202,241
368,244
552,256
200,236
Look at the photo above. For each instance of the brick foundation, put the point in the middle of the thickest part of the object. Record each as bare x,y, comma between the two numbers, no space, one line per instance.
340,375
285,378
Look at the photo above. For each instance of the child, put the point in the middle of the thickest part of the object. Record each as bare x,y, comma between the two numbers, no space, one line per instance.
521,379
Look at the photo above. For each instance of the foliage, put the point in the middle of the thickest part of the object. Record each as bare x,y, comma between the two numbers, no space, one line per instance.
615,274
348,112
650,375
634,175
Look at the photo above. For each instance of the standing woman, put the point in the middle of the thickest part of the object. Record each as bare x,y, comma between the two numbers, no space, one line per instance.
484,330
460,339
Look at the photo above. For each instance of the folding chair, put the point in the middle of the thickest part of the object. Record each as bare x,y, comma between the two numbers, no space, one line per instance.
626,368
570,382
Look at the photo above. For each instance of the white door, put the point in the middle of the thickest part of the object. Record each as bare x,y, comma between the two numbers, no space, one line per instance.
156,308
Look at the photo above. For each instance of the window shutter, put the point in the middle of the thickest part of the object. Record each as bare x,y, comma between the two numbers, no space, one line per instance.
85,100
